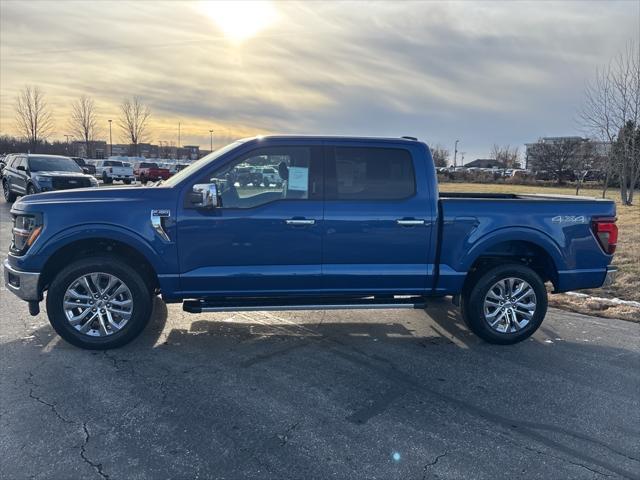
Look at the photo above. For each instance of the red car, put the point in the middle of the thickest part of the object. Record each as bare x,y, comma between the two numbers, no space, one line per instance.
145,171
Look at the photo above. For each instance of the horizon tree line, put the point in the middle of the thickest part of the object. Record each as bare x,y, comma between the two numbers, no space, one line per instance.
34,121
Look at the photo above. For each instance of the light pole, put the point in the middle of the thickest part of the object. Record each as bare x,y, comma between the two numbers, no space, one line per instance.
455,154
211,141
110,141
67,143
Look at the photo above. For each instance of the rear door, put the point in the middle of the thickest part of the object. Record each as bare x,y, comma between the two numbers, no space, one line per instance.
377,223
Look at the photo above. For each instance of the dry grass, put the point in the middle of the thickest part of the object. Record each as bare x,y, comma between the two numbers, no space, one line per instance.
627,258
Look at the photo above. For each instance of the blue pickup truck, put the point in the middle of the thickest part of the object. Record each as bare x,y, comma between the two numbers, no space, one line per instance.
348,223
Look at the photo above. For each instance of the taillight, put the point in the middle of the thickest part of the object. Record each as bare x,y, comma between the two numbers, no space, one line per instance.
606,231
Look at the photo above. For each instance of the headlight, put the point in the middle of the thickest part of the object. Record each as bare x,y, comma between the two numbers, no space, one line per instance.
41,178
26,228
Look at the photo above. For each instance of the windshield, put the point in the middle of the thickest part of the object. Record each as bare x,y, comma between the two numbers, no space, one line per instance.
202,163
53,164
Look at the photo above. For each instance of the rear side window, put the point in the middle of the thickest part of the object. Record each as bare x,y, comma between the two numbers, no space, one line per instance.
371,174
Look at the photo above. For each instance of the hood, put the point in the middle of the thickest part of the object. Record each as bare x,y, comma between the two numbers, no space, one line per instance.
118,196
47,173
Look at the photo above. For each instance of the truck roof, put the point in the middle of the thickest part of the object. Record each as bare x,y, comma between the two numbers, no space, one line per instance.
405,139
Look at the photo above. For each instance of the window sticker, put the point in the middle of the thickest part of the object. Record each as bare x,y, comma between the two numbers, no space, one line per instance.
298,178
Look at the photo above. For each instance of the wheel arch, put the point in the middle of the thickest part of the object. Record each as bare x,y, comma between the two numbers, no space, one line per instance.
95,245
523,246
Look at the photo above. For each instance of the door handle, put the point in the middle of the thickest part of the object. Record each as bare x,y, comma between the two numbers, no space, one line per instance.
409,222
300,221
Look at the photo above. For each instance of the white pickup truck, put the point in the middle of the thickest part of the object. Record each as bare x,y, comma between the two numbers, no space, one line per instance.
110,170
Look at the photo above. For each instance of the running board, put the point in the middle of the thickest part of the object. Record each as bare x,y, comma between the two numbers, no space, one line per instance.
281,304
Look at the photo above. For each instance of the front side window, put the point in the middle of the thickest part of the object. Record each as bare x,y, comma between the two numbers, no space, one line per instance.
371,174
265,175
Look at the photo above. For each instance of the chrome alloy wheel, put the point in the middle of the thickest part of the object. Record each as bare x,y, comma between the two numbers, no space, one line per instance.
98,304
509,305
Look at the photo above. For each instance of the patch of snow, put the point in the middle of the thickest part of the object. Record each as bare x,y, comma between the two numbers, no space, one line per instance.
608,301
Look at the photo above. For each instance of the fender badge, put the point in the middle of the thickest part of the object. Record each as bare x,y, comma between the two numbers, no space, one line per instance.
161,213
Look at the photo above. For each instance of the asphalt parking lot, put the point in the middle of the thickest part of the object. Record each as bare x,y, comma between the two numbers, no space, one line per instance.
344,394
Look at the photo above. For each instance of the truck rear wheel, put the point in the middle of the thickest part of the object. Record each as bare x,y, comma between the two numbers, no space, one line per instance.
506,304
99,303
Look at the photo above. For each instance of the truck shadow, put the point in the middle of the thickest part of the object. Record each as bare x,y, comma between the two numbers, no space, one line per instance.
243,379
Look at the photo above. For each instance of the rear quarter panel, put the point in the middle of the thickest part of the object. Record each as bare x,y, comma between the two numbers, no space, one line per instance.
562,227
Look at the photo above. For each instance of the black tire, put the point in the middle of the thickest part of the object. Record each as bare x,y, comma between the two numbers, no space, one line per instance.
31,190
141,294
105,179
9,196
473,298
127,181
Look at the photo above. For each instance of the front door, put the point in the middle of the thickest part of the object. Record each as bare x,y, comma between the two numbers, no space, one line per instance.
265,237
377,224
19,181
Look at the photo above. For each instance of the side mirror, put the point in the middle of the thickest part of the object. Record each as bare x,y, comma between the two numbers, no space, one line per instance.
22,168
205,195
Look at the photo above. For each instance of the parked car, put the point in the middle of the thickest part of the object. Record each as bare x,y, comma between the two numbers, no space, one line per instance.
270,176
145,171
84,165
111,170
358,223
245,175
176,167
26,174
4,160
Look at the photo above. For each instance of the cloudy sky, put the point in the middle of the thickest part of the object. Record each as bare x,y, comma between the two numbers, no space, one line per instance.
484,73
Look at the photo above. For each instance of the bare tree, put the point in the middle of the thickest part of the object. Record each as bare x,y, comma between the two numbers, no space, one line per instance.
33,118
84,123
612,104
440,156
133,120
507,156
559,156
588,159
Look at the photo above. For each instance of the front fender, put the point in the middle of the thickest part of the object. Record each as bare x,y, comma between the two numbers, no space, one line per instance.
158,254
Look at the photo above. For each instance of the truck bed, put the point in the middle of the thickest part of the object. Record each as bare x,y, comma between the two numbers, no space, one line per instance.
501,223
516,196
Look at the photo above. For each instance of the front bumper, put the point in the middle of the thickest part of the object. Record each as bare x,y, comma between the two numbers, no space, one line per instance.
612,272
22,284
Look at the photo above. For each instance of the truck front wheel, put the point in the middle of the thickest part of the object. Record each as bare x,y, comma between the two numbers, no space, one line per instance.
99,303
506,304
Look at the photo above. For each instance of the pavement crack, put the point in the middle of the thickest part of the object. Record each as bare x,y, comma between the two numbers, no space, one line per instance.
577,464
83,454
284,437
52,406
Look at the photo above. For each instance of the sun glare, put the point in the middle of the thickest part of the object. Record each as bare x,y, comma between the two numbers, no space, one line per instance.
240,20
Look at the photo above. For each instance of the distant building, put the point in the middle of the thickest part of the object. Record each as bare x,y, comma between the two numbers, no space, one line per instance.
97,149
189,152
484,163
163,151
